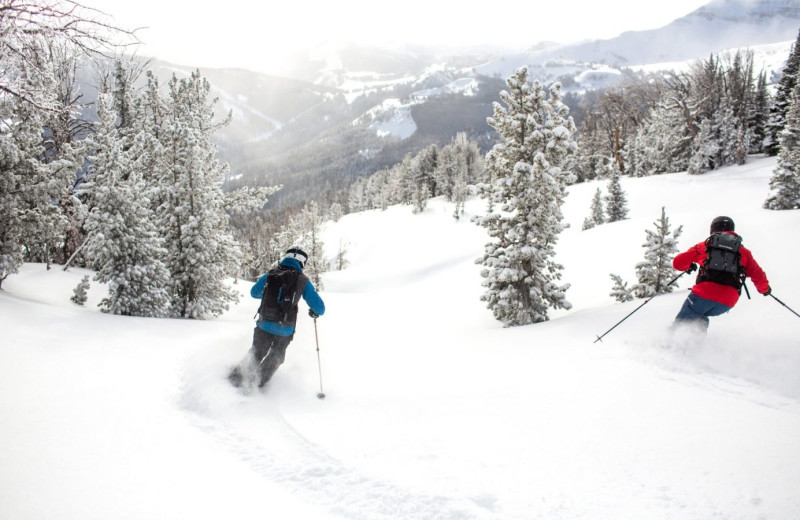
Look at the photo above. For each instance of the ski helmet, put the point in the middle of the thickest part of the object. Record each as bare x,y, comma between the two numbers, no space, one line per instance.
297,253
722,224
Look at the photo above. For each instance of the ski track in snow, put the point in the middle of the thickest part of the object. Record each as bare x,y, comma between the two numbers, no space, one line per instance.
255,431
309,473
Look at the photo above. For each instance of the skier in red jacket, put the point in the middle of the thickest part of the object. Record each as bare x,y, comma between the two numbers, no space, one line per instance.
711,298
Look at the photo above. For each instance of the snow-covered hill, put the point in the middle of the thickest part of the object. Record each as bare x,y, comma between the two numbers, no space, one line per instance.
433,410
714,27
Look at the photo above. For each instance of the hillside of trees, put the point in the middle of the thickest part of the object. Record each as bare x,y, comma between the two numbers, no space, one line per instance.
138,192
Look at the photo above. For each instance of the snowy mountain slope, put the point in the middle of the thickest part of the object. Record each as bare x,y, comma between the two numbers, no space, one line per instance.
309,108
433,410
714,27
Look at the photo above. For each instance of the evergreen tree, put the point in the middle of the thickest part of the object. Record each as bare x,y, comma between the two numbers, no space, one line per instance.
341,261
616,200
335,212
280,242
46,181
597,216
309,226
201,252
125,248
529,185
427,161
706,149
421,196
620,291
656,270
760,114
783,98
740,95
730,134
79,295
785,181
448,168
460,192
64,131
31,222
591,159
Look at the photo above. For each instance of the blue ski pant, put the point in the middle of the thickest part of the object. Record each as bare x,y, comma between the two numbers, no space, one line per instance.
696,310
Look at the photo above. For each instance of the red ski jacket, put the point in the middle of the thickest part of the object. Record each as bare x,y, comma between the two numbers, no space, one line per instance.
713,291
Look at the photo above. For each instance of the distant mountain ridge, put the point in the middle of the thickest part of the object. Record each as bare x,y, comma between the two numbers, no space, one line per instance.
350,110
714,27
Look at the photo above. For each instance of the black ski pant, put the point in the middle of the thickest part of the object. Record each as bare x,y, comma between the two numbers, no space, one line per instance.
268,352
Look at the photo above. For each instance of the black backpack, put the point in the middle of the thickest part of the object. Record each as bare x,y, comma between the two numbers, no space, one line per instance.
281,296
723,261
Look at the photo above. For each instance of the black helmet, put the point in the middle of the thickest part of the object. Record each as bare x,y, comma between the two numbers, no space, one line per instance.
722,224
298,253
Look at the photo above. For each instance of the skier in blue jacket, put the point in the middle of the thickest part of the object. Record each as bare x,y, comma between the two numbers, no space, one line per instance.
279,290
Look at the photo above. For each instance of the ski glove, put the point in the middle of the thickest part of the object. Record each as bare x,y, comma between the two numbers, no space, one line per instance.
768,292
313,314
692,268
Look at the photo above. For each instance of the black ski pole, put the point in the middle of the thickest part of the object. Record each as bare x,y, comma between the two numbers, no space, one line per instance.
790,309
600,338
320,394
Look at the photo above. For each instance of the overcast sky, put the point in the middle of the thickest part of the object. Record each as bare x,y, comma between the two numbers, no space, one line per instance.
256,34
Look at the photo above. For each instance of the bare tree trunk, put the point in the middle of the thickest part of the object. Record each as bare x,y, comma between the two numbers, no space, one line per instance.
69,260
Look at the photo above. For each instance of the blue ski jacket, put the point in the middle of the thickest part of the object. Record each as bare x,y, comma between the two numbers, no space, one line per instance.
310,295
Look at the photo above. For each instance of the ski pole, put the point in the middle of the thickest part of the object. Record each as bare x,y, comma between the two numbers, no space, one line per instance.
600,338
320,394
790,309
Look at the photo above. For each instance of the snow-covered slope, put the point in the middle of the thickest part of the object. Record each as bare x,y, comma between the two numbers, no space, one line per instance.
714,27
433,410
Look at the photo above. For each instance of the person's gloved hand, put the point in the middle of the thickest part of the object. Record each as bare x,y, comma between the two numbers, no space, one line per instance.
692,268
768,292
313,314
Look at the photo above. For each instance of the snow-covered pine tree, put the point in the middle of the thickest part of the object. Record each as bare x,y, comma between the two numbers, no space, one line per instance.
280,242
529,186
785,182
730,135
341,261
655,272
44,181
427,160
125,248
460,192
79,295
663,144
12,159
202,253
705,149
448,168
597,215
421,197
356,196
470,171
620,291
64,129
404,174
309,225
335,212
783,98
30,220
759,115
591,157
616,200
